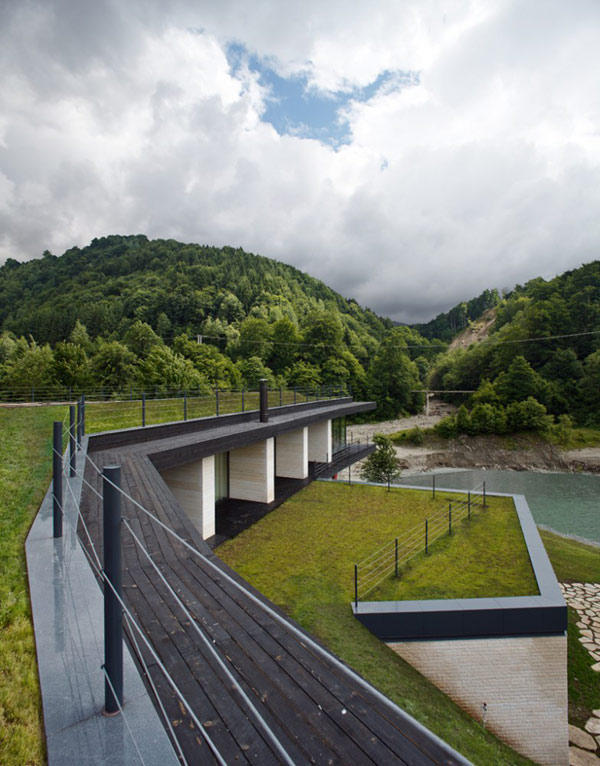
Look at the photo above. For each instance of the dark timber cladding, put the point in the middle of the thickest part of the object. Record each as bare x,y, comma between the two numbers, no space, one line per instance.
289,700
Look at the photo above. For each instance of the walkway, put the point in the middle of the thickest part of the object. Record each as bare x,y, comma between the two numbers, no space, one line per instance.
259,686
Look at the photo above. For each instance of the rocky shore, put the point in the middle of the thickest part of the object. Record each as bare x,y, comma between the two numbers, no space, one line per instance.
491,452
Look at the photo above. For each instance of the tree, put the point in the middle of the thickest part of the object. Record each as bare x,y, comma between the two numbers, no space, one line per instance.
323,336
393,377
140,338
381,466
164,369
519,382
285,345
114,365
253,370
71,365
30,365
255,339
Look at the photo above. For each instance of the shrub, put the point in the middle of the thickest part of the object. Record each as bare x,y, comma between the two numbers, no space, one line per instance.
447,427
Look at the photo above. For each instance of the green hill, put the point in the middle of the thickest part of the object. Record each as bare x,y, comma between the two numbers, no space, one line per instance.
127,311
544,344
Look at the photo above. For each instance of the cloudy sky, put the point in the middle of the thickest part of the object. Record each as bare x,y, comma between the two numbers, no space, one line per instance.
410,153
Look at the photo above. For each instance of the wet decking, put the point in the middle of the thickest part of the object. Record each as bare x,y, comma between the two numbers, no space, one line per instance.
261,688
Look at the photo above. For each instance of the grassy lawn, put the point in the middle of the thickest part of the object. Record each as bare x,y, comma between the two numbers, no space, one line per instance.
317,594
110,415
575,562
301,557
25,472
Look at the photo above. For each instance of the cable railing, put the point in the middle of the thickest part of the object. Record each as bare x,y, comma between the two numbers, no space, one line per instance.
27,394
386,562
138,637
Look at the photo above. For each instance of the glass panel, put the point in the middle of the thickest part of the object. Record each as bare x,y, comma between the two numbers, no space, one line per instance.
338,434
221,476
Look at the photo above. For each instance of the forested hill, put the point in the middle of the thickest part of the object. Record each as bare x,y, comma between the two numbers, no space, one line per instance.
544,346
446,325
173,287
126,311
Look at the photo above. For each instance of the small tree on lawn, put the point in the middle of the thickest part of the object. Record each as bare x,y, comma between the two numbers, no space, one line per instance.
382,465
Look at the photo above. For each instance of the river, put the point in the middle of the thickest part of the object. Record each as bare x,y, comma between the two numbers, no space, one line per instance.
566,502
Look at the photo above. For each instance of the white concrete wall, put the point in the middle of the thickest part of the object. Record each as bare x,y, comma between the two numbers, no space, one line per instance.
523,682
291,454
193,485
252,472
320,442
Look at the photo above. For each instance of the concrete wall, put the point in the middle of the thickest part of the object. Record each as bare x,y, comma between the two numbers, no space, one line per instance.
252,472
291,454
319,442
193,485
523,682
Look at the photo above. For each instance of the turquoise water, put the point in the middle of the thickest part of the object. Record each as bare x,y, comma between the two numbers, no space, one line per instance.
566,502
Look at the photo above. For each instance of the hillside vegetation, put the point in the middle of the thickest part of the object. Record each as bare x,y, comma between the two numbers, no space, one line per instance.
127,312
541,358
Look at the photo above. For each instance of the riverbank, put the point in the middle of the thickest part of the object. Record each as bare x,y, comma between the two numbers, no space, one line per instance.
524,452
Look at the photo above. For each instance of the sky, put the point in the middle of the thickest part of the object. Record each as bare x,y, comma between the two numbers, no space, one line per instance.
409,153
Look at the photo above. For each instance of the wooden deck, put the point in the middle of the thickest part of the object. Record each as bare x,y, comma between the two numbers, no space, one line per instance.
308,707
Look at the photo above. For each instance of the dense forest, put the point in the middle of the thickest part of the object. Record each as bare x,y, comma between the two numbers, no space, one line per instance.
128,312
446,325
542,356
131,313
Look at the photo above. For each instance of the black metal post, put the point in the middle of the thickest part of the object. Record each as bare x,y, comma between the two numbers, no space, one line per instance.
217,400
449,518
143,409
57,494
264,401
185,405
396,554
79,420
83,414
72,440
356,585
113,615
426,535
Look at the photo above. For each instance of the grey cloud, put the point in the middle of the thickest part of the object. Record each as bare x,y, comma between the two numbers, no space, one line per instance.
108,125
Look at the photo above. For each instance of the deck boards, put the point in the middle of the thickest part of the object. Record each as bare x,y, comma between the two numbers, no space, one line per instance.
317,711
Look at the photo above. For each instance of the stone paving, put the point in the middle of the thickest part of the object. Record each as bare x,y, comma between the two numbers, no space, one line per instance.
584,597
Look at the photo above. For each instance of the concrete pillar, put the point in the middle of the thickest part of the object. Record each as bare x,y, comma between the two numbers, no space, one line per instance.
291,454
252,472
320,442
193,485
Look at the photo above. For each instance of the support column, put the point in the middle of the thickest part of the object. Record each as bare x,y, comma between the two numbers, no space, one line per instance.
320,442
193,485
252,472
291,454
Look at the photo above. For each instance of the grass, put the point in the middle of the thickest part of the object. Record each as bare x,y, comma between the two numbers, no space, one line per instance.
25,472
112,414
575,562
298,556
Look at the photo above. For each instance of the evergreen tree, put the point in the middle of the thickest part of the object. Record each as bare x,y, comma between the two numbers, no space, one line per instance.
381,466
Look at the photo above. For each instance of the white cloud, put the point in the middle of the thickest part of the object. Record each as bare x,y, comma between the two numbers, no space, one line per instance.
125,118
